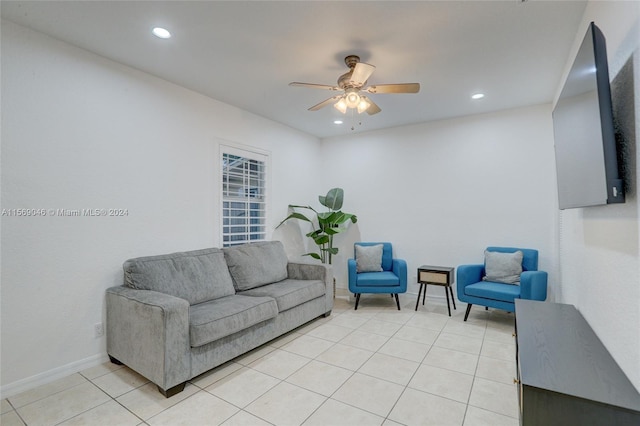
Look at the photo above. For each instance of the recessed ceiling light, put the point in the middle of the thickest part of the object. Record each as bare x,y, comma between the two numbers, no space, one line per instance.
337,122
477,96
161,32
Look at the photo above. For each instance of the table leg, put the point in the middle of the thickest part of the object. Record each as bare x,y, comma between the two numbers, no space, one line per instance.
419,290
448,305
452,298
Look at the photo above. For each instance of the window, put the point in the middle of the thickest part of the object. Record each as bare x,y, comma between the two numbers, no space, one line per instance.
243,197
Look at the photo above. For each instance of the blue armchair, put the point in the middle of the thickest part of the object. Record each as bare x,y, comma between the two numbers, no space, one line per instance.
474,291
390,276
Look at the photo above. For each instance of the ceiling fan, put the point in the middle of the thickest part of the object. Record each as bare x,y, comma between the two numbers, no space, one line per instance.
352,85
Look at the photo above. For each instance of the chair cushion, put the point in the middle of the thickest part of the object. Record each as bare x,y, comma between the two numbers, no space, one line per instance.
377,279
290,293
196,276
503,267
256,264
494,291
369,258
222,317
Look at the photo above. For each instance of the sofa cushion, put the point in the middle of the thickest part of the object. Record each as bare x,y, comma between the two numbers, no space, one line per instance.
290,293
494,291
256,264
196,276
377,279
222,317
503,267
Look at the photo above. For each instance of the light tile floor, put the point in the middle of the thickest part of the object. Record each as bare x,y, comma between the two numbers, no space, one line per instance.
373,366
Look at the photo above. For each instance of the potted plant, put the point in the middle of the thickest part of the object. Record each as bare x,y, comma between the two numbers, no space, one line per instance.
325,224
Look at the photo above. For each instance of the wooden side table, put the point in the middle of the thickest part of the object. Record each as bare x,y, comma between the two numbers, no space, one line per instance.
436,275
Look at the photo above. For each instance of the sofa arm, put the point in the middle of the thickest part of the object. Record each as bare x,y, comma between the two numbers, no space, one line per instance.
468,274
310,271
533,285
399,267
314,271
149,332
353,274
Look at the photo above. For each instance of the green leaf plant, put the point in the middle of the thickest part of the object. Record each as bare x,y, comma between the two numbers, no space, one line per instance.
325,224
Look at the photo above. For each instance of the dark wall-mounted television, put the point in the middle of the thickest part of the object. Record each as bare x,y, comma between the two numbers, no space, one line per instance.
585,144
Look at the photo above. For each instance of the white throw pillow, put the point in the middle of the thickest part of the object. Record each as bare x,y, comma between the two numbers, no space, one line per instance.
503,267
369,258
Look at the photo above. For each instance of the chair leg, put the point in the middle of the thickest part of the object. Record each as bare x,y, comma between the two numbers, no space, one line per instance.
357,300
397,301
486,308
466,315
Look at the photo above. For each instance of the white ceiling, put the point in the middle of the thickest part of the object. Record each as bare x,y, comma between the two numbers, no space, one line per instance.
245,53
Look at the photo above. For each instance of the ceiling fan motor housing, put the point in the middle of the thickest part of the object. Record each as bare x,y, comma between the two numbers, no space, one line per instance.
344,81
352,60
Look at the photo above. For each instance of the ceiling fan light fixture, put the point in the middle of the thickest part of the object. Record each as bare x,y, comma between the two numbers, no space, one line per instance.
341,105
352,98
363,105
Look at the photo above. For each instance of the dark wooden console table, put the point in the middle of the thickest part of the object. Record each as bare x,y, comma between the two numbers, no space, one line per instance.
565,374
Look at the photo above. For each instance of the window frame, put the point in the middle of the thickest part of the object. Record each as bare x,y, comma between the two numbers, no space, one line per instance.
250,154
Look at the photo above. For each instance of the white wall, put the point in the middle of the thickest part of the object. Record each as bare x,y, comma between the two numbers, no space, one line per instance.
599,255
81,132
441,192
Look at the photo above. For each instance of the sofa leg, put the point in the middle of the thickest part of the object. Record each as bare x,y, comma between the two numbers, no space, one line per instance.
466,315
357,300
327,314
397,301
172,391
115,361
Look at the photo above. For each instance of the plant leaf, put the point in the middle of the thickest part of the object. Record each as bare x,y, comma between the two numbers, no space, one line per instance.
294,215
348,216
293,206
321,239
333,200
314,255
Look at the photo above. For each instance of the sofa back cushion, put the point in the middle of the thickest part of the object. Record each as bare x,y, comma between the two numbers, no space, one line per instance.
197,276
256,264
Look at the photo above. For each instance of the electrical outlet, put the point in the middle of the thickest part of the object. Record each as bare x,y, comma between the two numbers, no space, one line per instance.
98,329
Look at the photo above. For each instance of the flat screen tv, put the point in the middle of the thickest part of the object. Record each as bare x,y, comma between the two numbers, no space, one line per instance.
585,144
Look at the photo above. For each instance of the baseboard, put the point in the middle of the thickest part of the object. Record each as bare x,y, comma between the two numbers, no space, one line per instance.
23,385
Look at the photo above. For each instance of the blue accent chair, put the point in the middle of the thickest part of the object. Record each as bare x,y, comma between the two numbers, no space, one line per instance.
392,279
474,291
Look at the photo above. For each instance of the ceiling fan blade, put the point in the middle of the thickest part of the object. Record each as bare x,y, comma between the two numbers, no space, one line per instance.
361,73
373,109
394,88
325,103
314,86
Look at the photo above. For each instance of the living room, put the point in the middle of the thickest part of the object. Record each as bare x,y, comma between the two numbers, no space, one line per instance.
82,131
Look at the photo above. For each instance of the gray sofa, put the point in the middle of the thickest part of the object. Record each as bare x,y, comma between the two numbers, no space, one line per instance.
179,315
